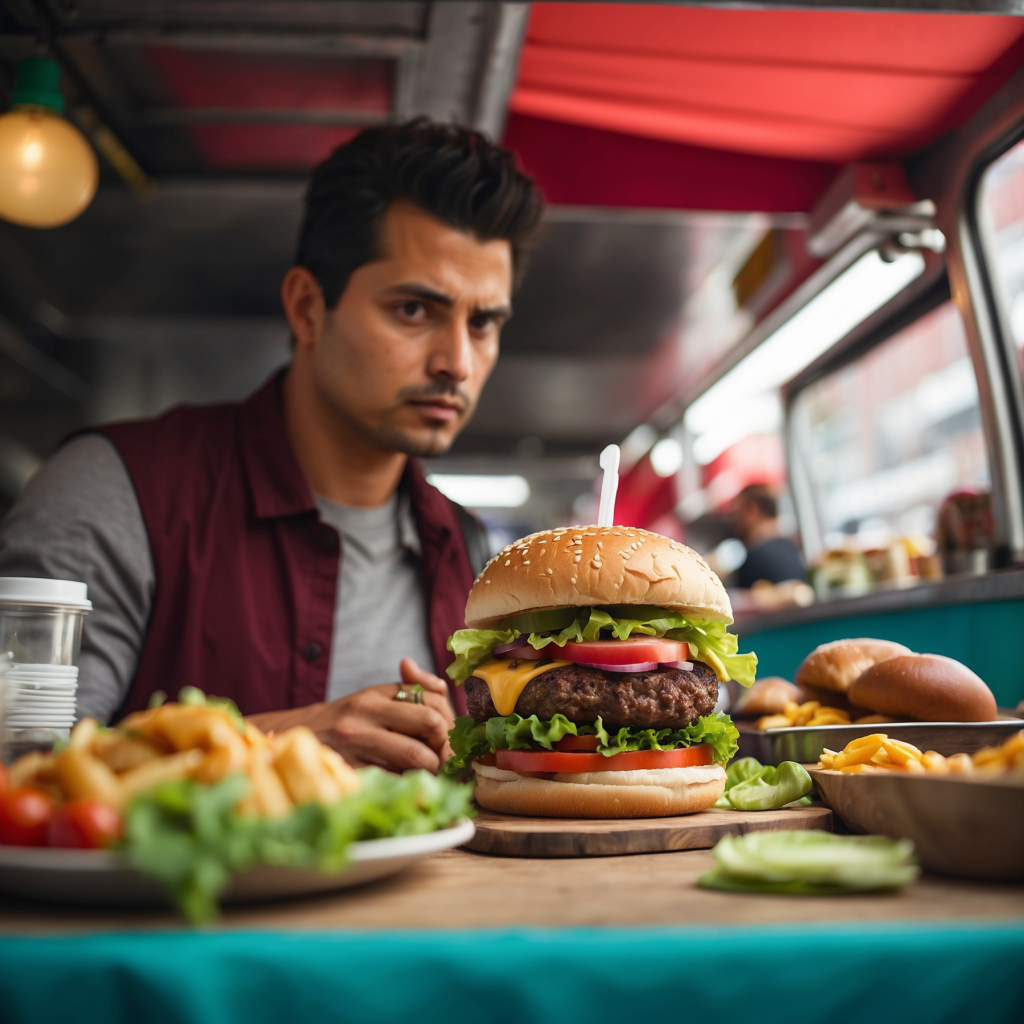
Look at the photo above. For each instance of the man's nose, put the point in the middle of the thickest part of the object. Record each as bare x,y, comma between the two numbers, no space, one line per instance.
451,354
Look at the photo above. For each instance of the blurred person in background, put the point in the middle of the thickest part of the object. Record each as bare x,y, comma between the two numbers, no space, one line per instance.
286,551
770,556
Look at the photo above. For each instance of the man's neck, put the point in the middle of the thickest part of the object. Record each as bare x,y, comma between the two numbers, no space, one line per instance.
339,463
762,531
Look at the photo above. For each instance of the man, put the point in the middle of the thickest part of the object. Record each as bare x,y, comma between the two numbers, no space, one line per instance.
287,552
755,517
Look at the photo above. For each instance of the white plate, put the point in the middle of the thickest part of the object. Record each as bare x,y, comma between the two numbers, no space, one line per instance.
41,686
39,723
101,878
42,672
38,700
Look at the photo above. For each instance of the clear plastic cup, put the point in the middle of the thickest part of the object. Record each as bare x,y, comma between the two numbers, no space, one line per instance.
40,639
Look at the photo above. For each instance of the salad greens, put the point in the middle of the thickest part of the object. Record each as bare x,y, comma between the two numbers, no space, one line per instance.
470,739
751,786
709,641
810,863
189,837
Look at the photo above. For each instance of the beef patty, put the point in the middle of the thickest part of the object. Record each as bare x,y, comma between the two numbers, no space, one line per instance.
664,698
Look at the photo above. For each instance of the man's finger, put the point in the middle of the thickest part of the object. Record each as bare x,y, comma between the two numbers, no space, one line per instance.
412,674
414,720
374,745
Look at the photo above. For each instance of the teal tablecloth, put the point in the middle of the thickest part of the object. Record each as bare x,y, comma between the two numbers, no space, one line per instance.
873,974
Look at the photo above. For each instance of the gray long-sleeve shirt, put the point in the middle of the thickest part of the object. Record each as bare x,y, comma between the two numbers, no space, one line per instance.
79,519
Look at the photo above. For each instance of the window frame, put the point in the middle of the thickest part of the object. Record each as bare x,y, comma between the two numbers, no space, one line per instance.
929,292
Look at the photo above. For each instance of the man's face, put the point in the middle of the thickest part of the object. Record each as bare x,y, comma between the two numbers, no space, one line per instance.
404,354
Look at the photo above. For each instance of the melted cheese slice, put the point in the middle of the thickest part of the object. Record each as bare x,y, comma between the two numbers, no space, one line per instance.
506,683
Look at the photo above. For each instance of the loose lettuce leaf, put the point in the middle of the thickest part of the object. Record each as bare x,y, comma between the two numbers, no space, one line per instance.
470,739
710,642
771,788
810,862
189,837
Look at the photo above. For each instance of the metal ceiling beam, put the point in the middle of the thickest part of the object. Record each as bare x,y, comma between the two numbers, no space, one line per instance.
334,44
250,115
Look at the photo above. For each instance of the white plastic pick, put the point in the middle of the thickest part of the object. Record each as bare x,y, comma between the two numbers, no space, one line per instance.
609,485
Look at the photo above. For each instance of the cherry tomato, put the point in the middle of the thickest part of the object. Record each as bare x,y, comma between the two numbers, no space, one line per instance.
25,815
85,825
528,761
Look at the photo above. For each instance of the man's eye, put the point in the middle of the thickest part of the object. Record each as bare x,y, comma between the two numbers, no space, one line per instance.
412,309
481,323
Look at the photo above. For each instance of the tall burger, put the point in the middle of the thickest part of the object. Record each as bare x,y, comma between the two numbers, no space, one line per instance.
591,661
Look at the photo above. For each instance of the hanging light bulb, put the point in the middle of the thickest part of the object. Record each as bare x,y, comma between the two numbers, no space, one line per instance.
48,172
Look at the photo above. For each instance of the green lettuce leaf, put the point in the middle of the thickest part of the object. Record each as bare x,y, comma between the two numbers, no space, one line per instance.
771,788
470,739
473,647
716,729
710,642
190,839
810,862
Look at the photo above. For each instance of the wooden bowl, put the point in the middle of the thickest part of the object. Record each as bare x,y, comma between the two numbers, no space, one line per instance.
970,827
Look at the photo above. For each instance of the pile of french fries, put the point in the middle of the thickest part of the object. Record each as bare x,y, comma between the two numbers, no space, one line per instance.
179,741
811,712
880,753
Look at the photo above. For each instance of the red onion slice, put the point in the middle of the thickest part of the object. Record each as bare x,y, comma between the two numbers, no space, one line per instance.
640,666
519,642
683,666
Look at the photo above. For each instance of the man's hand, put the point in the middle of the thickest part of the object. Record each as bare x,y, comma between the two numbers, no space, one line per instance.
371,727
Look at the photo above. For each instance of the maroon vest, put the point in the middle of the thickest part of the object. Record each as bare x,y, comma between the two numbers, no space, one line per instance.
246,572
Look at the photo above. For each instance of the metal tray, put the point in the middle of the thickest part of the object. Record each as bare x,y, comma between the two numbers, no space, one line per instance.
804,744
970,827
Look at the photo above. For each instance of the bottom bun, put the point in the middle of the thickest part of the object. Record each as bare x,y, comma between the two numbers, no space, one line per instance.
654,793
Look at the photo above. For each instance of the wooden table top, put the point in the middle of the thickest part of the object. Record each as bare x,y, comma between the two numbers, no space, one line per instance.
460,889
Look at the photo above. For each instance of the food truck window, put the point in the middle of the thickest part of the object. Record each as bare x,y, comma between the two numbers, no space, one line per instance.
1001,210
894,462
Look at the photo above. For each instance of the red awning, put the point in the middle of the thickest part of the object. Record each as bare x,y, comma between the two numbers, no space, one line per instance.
796,92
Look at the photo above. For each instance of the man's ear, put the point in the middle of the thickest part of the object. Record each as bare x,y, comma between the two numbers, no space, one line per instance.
304,308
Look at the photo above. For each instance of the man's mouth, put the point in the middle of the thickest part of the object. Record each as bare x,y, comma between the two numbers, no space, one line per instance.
440,410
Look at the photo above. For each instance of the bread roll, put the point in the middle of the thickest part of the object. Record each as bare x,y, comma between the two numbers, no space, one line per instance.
927,687
655,793
834,666
587,566
830,699
766,697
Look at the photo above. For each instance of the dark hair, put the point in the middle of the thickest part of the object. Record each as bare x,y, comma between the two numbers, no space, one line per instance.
763,497
453,173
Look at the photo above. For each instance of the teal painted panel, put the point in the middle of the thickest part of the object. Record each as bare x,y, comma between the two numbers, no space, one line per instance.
887,971
987,637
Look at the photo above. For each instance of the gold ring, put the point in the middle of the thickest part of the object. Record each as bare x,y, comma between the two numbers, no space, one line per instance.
408,696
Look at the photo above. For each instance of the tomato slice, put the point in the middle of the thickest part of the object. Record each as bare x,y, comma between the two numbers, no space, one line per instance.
577,743
528,761
624,652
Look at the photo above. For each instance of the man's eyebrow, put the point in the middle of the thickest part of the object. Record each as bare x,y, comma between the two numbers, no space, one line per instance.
421,291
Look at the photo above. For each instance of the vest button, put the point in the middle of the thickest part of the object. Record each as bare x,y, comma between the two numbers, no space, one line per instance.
329,540
312,651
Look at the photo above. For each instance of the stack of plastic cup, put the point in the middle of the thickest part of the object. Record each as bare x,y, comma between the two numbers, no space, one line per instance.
40,637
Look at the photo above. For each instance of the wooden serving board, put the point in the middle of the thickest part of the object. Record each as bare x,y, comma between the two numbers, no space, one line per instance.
510,835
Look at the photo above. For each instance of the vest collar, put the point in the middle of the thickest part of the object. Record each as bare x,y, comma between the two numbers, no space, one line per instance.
276,481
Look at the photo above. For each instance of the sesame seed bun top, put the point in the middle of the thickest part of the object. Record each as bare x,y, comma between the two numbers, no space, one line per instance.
585,566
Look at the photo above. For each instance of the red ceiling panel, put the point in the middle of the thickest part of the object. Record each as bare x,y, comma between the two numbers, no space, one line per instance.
212,80
818,85
580,166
